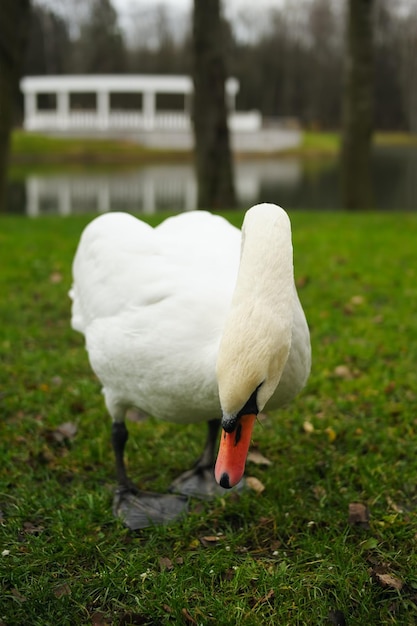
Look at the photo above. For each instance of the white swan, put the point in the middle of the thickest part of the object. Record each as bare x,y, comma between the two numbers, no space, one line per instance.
188,322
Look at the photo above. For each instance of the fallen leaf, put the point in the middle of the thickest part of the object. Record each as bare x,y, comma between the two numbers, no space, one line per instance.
188,618
55,278
342,371
308,427
32,529
65,431
255,484
331,434
209,541
369,544
165,563
358,514
259,459
16,594
357,300
99,619
62,590
387,580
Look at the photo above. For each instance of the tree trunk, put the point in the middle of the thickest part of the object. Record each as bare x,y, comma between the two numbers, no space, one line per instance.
358,108
13,30
212,143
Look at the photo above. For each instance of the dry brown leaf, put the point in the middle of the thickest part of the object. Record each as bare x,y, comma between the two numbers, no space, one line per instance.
209,541
16,594
165,563
342,371
188,618
259,459
62,590
65,431
358,514
308,427
55,278
32,529
99,619
387,580
255,484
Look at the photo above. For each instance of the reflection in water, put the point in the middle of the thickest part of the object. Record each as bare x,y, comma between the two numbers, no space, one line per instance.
291,182
148,189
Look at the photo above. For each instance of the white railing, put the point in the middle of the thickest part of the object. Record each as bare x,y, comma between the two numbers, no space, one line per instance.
120,120
117,120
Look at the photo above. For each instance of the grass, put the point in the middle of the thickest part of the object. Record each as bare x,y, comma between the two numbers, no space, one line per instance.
46,151
37,149
287,556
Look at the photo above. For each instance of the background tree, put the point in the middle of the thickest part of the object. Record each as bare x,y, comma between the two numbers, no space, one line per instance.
49,48
13,30
358,107
213,156
100,47
408,65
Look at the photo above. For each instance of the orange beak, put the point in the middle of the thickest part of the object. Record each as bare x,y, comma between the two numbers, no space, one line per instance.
233,450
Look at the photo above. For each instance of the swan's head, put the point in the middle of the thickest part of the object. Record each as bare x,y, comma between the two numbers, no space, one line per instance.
256,338
249,369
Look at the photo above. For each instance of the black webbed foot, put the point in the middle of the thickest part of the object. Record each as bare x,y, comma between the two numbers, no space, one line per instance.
139,509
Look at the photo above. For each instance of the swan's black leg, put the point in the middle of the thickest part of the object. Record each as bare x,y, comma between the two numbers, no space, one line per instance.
139,509
207,458
199,480
119,437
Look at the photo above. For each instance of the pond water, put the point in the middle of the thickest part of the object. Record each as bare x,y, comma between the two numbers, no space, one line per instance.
291,182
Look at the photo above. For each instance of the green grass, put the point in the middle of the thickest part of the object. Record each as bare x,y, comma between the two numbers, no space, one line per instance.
41,151
38,149
288,556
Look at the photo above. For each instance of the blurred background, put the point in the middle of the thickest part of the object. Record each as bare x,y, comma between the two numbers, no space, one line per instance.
289,58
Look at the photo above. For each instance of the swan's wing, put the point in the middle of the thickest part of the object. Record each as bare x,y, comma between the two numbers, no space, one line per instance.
106,266
152,304
123,264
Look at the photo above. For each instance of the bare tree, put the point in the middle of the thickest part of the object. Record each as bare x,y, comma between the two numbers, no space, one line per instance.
13,29
212,143
408,64
100,47
358,107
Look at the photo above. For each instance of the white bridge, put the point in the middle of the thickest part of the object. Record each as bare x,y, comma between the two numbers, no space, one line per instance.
138,106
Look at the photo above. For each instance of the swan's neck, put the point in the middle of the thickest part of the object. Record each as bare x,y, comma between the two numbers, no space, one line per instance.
257,334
